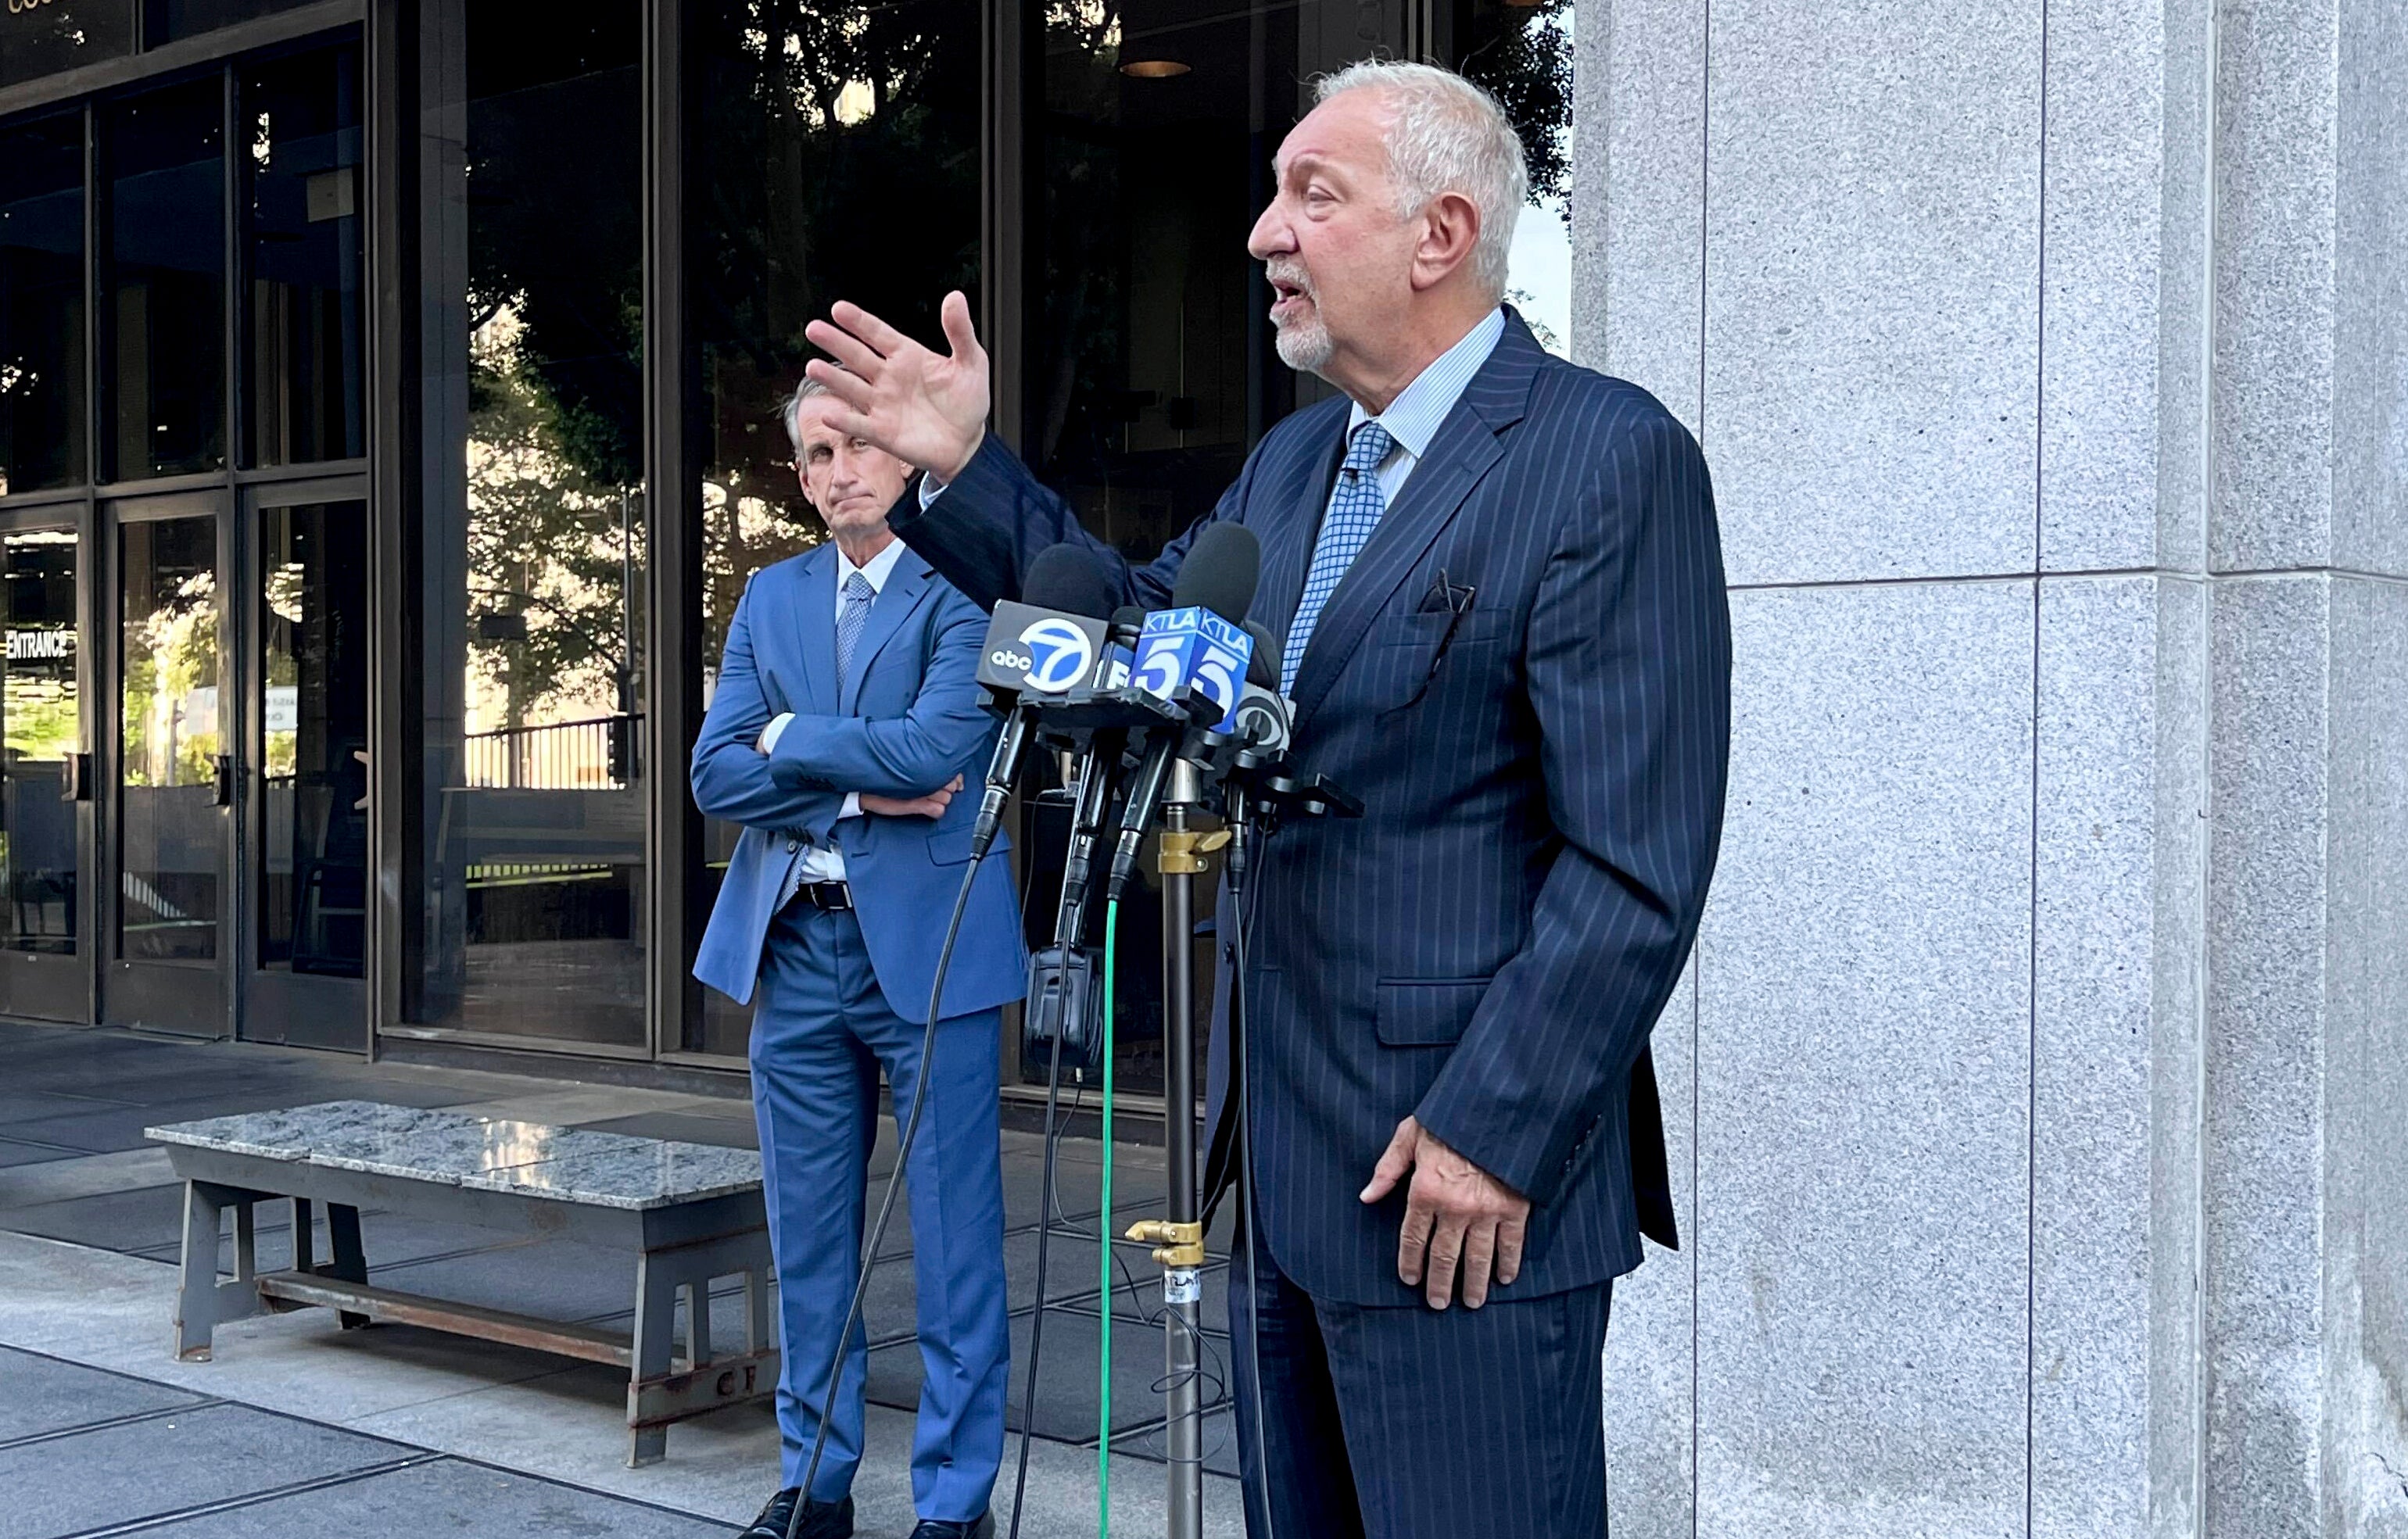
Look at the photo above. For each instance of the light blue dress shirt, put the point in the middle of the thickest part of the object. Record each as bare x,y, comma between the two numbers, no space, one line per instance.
825,862
1415,417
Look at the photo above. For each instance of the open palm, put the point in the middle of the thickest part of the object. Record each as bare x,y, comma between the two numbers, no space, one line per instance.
925,409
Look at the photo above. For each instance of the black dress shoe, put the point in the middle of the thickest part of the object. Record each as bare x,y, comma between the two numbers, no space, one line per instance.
981,1527
821,1520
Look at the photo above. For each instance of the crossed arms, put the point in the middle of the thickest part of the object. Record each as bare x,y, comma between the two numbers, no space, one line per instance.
905,766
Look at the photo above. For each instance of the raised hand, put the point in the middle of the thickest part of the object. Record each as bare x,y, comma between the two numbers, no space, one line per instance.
924,409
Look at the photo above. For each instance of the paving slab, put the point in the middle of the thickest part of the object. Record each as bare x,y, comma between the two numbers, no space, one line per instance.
14,1153
446,1496
134,1470
46,1394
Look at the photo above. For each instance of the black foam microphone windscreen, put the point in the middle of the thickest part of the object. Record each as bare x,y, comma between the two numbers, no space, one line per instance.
1220,571
1263,666
1070,579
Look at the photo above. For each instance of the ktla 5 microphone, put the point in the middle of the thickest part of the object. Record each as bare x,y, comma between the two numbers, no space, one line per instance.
1042,645
1218,578
1200,641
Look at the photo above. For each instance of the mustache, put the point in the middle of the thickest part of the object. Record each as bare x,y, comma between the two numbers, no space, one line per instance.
1292,273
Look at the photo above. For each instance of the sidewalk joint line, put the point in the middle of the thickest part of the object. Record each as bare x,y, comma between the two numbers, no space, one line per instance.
253,1499
106,1423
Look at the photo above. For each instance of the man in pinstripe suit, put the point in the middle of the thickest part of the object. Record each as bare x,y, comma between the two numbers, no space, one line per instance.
1498,586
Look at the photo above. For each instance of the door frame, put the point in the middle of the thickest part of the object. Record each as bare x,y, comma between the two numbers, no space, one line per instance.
158,995
33,985
299,1009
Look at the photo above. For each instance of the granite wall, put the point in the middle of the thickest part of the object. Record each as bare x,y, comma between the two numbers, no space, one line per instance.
2039,1095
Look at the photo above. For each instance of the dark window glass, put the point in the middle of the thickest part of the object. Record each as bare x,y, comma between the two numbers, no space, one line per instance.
838,158
38,709
165,289
164,21
313,713
46,36
41,306
300,163
531,151
173,837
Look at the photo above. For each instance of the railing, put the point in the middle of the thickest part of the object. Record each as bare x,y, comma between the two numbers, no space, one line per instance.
597,754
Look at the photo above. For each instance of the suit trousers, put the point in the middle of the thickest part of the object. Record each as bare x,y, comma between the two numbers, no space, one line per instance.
821,1032
1409,1422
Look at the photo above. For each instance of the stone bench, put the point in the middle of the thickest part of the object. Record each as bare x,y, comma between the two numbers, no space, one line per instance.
690,1213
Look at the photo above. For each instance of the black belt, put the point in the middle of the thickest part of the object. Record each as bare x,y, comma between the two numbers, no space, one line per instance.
833,897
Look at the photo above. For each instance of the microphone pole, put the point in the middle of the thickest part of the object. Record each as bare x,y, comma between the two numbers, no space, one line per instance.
1219,574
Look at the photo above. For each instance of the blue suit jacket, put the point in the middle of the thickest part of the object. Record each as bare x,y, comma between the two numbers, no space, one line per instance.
1489,946
906,721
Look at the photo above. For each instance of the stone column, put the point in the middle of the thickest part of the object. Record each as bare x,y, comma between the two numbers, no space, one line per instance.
2036,1095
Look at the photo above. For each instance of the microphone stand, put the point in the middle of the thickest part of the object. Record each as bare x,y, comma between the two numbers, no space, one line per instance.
1178,1237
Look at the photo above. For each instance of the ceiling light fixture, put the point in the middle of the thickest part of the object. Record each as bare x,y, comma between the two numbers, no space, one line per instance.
1154,69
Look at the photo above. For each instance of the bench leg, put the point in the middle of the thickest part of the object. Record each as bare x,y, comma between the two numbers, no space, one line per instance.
196,1288
656,1292
351,1263
305,1239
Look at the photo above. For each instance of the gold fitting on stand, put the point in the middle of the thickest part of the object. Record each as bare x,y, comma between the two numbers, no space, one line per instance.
1183,850
1175,1245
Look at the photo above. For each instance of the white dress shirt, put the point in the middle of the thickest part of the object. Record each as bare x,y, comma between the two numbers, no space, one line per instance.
825,862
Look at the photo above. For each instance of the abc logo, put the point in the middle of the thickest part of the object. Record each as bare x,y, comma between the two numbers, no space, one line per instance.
1059,655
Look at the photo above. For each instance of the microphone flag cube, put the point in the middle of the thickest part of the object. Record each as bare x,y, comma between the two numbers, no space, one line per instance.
1180,647
1042,651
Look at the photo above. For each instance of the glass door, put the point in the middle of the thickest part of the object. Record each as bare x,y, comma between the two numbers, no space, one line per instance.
174,775
305,652
44,777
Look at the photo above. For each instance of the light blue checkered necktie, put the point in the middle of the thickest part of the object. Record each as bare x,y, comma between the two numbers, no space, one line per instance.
1354,511
849,620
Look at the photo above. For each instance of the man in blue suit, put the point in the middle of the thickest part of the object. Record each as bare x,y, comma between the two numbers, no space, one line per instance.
845,715
1498,590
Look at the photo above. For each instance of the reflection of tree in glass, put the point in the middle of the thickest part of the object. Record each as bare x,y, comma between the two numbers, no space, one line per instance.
840,146
172,660
284,586
550,545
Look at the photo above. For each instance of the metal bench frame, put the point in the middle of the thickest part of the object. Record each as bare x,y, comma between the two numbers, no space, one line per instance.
680,1248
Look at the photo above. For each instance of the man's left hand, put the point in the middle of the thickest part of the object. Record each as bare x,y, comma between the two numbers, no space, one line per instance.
1458,1217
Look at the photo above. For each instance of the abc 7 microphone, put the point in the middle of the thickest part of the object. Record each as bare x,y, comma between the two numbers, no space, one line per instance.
1039,646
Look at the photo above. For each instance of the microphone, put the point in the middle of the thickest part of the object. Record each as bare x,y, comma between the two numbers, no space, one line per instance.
1264,716
1120,648
1042,645
1198,642
1216,583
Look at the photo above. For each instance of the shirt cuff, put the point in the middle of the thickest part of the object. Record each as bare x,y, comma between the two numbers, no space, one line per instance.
775,729
929,486
851,805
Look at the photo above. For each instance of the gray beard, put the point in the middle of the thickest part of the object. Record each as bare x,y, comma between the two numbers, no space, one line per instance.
1306,348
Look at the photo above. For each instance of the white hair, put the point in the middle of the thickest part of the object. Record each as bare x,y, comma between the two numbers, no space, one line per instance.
793,415
1446,134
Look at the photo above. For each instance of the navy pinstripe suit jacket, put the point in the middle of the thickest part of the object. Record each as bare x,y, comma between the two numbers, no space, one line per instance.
1489,946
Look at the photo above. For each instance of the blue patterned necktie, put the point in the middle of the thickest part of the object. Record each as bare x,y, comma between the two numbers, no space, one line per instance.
1353,512
849,624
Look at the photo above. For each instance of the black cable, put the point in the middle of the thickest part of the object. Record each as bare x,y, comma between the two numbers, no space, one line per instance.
1044,1232
1243,896
893,1185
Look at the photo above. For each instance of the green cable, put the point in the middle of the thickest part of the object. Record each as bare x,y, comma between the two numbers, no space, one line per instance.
1104,1416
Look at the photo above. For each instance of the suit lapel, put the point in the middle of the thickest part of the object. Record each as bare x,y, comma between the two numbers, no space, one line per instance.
1299,494
814,635
1467,444
905,586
